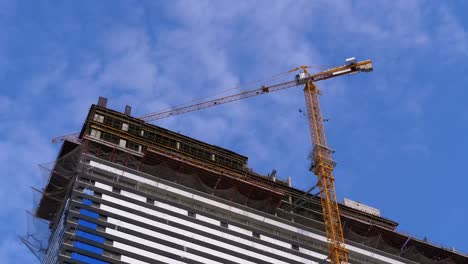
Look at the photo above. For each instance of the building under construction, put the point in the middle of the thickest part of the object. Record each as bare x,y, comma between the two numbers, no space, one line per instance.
126,191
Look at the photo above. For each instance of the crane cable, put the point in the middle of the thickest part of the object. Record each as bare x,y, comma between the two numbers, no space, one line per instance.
196,100
265,81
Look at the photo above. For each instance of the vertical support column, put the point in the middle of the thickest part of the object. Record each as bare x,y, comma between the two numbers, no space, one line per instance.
322,167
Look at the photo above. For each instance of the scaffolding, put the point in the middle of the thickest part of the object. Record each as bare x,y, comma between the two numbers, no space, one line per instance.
251,190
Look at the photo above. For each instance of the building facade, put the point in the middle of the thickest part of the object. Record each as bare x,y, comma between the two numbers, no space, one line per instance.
130,192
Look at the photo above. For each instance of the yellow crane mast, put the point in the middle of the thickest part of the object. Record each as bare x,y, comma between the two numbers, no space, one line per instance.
322,163
322,166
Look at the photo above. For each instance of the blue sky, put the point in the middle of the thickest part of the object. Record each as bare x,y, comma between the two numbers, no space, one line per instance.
399,132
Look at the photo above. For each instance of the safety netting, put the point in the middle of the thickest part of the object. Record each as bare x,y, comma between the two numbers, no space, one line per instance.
408,250
59,178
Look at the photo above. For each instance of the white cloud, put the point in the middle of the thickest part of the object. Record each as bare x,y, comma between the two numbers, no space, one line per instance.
209,46
401,23
23,147
51,75
453,37
130,65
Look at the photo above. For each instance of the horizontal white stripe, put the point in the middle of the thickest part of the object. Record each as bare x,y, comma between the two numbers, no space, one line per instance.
240,230
218,223
132,260
238,211
205,229
159,246
208,220
177,241
275,241
103,186
133,196
142,252
170,208
213,231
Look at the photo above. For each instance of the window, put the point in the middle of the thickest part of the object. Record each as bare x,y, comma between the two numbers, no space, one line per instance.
224,224
113,122
135,130
149,200
123,143
99,118
134,146
110,137
295,247
95,133
115,189
124,126
191,214
256,235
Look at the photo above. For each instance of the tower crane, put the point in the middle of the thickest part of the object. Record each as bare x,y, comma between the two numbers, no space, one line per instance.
322,163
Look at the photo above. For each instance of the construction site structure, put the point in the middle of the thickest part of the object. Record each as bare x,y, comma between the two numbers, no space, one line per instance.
171,201
322,162
127,191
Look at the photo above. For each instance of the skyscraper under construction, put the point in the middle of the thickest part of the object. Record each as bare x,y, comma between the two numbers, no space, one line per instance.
127,191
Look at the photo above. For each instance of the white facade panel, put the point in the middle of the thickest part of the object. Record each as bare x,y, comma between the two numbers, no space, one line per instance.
135,261
179,241
170,208
237,210
230,237
276,241
145,253
208,220
159,246
103,186
133,196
